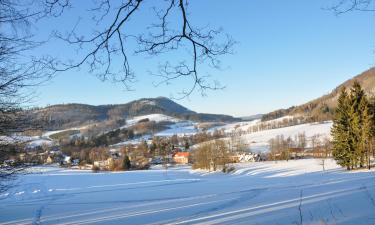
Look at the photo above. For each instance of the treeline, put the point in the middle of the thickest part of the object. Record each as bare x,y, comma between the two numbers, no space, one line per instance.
282,148
353,129
75,144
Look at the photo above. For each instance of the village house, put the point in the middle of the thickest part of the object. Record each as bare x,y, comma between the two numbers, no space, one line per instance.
49,160
249,157
104,164
85,166
181,158
244,157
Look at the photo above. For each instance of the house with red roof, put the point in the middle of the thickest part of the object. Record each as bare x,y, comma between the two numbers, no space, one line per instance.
181,157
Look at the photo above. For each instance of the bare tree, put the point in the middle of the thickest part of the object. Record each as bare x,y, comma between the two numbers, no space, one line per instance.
170,31
327,145
211,155
345,6
19,72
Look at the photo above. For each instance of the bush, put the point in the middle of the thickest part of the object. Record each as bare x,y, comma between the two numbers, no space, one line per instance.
228,169
95,169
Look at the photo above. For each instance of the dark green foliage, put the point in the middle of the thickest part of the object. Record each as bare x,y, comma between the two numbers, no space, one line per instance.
340,131
113,137
126,165
187,145
352,129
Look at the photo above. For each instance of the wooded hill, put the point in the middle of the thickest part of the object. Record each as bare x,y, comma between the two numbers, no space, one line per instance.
73,115
322,108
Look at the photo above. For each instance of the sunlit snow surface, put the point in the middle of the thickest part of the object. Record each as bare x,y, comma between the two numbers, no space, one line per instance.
256,193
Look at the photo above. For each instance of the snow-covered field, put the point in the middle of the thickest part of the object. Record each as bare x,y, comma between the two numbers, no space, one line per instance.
185,128
259,141
246,125
294,192
151,117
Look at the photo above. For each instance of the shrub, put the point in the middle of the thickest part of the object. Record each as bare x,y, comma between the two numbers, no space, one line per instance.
95,169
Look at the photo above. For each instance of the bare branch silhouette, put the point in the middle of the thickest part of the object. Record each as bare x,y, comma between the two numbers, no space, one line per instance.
166,35
345,6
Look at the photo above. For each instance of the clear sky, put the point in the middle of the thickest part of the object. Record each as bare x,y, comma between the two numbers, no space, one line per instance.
288,52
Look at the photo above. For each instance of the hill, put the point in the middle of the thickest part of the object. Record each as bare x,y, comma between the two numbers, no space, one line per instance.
322,108
73,115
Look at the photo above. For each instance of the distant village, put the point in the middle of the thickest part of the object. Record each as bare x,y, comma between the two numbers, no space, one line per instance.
140,156
168,151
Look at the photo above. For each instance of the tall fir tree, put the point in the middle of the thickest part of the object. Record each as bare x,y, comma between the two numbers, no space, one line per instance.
353,129
366,131
340,131
357,96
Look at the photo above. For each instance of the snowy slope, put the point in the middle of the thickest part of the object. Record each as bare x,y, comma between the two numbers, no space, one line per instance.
245,126
259,140
294,192
152,117
238,126
185,128
31,141
47,134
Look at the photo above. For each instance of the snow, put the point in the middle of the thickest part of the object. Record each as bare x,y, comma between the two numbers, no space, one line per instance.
245,126
185,128
50,133
39,142
256,193
135,141
152,117
238,126
258,141
17,138
31,141
47,134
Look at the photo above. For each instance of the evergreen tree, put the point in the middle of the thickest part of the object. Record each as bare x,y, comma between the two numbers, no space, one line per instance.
357,96
187,145
353,129
126,163
340,132
367,128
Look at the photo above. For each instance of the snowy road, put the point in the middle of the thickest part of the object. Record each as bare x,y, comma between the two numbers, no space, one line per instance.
296,192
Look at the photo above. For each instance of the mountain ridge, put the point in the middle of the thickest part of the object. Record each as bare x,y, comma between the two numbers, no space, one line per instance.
322,108
76,114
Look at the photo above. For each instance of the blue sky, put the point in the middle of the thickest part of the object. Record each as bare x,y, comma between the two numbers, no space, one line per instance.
287,52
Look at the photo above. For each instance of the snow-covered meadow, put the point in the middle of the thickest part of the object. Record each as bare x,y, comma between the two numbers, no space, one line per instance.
294,192
259,141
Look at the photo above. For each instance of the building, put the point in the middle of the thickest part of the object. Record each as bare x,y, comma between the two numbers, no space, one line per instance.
181,157
104,164
49,160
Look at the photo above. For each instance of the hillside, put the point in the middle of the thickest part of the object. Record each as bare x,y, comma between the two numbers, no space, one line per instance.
74,115
322,108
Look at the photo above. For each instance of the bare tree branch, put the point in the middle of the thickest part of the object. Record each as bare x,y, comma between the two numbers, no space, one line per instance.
345,6
204,45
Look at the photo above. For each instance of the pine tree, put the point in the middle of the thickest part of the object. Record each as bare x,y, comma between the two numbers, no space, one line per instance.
340,132
357,96
366,131
126,163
